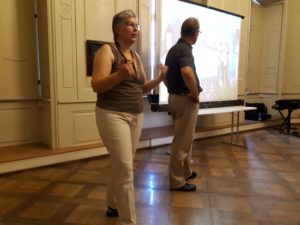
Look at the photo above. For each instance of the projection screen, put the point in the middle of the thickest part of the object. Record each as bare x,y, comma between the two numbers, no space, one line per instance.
216,52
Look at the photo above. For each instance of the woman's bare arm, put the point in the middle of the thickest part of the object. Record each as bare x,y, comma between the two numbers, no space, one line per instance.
102,80
149,85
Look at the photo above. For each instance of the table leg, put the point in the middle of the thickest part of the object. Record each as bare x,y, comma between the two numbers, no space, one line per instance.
237,127
236,143
232,124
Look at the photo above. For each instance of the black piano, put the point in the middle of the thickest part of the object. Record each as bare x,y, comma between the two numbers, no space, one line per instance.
290,105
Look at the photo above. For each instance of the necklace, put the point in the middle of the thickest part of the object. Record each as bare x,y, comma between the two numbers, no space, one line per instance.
135,75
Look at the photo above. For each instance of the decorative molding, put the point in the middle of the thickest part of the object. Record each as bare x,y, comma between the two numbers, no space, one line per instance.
17,118
77,125
66,11
65,49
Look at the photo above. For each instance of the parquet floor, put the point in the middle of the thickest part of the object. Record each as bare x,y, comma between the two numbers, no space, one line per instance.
257,185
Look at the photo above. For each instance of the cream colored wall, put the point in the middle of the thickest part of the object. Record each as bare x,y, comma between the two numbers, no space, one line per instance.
17,62
255,43
286,82
20,110
144,37
77,125
264,63
204,2
291,81
45,125
19,122
271,33
43,49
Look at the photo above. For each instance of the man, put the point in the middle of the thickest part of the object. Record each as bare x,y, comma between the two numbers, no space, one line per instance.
184,88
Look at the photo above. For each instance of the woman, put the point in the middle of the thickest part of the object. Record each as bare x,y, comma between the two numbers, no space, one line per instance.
120,82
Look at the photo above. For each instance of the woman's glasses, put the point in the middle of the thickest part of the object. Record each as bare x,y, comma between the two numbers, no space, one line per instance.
133,25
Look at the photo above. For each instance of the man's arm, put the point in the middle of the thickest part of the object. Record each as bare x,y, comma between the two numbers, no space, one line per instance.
190,81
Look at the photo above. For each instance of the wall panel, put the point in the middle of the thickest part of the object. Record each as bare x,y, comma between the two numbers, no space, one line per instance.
255,46
45,127
65,50
17,50
77,125
19,123
98,18
291,81
272,25
43,48
126,4
19,110
145,34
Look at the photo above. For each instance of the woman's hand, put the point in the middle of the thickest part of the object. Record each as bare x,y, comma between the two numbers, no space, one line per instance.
163,69
149,85
127,70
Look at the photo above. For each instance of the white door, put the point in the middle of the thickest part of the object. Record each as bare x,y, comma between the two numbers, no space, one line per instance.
272,26
17,50
18,81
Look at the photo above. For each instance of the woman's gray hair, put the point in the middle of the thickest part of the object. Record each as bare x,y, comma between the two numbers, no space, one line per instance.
119,19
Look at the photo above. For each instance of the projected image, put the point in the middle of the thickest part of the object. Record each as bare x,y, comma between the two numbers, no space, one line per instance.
216,51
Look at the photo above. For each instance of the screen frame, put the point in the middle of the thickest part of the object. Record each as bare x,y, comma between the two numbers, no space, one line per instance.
213,8
92,46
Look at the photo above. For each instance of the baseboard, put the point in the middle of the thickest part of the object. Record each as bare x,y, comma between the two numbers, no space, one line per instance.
18,165
24,164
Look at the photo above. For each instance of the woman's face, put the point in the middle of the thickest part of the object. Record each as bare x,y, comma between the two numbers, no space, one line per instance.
128,31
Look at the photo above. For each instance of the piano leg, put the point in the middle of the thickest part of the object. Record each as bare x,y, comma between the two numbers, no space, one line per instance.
288,121
284,124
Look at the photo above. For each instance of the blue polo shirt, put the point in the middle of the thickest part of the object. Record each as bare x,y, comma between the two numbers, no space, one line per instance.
179,56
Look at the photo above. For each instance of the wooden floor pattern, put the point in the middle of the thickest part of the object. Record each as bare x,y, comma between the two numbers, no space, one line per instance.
257,185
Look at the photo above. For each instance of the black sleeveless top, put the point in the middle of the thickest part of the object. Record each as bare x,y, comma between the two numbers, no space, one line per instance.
127,96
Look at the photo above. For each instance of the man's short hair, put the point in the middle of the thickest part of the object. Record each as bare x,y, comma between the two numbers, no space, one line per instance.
190,27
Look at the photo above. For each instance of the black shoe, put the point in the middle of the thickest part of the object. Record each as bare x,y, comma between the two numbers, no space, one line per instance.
192,176
111,212
186,187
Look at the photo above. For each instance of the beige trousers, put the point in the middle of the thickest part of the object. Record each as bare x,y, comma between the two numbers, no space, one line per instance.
120,133
184,112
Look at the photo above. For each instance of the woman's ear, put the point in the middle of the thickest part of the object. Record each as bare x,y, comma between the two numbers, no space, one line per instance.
118,30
